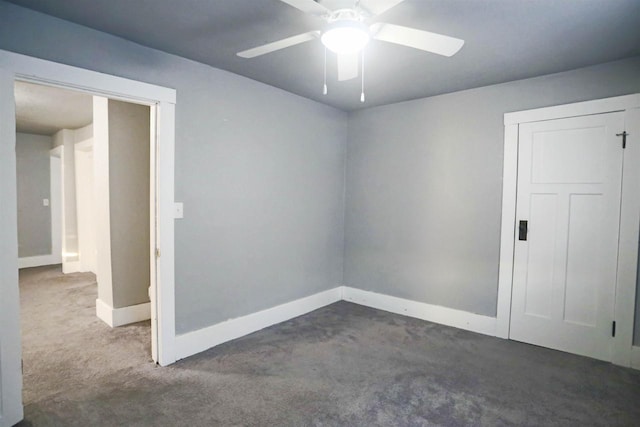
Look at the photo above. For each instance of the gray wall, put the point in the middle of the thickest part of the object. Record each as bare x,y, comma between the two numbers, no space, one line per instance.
129,135
424,183
34,184
261,175
260,172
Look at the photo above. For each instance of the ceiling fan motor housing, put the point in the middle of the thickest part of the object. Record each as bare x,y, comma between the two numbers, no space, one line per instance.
345,32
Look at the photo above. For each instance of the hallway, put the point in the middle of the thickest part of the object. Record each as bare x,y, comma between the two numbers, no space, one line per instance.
65,345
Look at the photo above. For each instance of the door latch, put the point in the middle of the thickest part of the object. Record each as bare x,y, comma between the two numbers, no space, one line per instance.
522,230
613,328
624,138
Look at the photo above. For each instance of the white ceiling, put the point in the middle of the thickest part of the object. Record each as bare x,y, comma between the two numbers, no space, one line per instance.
44,110
506,40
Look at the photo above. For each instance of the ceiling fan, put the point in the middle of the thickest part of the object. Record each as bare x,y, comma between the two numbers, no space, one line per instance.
346,32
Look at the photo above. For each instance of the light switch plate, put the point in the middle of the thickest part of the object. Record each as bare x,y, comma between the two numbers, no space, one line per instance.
45,202
178,210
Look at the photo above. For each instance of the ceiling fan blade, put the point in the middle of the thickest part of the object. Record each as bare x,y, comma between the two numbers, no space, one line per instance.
377,7
348,66
418,39
308,6
280,44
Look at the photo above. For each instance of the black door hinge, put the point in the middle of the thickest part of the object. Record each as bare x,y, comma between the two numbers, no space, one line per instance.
624,138
613,329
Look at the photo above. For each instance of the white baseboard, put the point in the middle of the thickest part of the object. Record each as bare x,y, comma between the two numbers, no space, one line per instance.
71,267
115,317
433,313
197,341
40,260
635,357
104,312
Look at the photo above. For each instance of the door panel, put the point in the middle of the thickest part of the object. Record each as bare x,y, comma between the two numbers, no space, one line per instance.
541,255
569,183
554,150
583,260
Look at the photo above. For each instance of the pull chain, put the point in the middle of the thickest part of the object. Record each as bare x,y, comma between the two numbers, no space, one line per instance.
324,89
362,86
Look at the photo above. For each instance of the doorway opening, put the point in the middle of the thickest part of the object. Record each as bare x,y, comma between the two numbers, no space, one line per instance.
15,67
84,236
604,303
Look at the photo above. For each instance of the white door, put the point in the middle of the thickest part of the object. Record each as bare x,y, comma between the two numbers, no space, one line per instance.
569,184
10,351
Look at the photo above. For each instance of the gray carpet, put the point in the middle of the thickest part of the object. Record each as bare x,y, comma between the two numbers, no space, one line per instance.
340,365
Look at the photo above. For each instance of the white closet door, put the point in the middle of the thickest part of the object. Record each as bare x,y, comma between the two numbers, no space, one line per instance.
569,186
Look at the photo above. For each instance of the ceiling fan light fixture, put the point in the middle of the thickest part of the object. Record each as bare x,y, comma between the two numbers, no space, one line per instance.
346,36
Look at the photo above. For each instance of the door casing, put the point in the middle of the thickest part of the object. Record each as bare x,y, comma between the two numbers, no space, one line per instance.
162,100
624,307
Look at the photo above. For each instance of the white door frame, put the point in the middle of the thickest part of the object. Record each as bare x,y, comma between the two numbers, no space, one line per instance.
162,102
629,214
56,202
80,150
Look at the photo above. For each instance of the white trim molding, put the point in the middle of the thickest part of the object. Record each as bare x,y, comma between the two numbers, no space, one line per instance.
433,313
635,357
104,312
11,411
585,108
508,233
203,339
629,214
64,76
72,267
626,281
115,317
39,260
197,341
17,67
